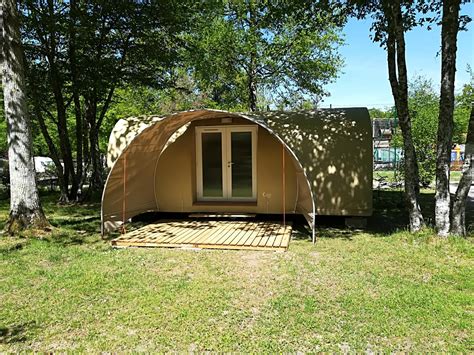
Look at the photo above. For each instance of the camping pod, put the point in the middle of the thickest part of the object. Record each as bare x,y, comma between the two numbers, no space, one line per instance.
316,162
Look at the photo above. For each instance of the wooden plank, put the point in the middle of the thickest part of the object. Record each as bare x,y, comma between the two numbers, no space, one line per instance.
212,227
265,235
240,229
224,229
279,237
252,234
223,234
164,233
287,235
182,231
278,233
248,235
201,246
229,235
259,234
246,229
241,235
214,232
270,232
192,231
137,235
222,215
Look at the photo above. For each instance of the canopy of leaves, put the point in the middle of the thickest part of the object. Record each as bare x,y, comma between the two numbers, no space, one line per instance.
382,113
286,49
424,108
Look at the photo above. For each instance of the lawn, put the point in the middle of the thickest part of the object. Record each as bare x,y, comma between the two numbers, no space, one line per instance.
389,175
378,290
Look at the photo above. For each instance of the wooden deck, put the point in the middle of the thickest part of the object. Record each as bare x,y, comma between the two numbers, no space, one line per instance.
252,235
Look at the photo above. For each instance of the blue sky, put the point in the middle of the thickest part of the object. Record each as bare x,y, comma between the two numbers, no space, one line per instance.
364,78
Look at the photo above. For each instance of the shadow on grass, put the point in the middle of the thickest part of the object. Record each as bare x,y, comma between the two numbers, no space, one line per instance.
9,245
78,224
16,333
389,216
87,224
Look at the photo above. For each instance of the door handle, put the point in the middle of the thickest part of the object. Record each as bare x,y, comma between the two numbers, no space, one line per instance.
229,164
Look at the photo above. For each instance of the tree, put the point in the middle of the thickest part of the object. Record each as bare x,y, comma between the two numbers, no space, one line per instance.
423,106
463,127
246,51
462,109
449,31
458,212
379,113
25,206
79,52
391,19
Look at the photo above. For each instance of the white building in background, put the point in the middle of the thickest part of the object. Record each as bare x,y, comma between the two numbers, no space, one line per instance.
43,164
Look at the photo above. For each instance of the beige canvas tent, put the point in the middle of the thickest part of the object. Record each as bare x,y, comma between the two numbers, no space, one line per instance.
310,162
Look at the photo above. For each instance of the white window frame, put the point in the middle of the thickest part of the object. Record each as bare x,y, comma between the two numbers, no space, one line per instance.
226,149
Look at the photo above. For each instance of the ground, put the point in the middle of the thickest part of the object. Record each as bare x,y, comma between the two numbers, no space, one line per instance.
376,290
389,175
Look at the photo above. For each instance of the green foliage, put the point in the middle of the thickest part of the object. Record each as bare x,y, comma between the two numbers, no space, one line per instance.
287,53
382,113
137,100
423,103
464,103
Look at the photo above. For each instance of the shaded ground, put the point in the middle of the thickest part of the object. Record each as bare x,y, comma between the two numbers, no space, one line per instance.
377,290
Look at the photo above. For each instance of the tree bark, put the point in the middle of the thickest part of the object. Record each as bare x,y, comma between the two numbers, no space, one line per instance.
449,31
95,181
458,212
252,69
76,97
397,72
63,187
252,85
25,206
61,108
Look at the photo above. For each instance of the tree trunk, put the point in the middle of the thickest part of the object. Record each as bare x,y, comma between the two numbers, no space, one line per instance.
63,186
95,181
25,206
76,97
458,220
252,69
399,84
63,132
449,31
252,86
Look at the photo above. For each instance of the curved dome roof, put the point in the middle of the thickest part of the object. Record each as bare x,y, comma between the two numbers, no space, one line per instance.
331,150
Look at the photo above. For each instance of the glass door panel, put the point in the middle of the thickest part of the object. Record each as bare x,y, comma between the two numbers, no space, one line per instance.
212,164
225,163
241,164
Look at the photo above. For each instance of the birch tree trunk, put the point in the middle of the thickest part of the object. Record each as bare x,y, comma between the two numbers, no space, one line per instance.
458,213
449,31
25,206
397,73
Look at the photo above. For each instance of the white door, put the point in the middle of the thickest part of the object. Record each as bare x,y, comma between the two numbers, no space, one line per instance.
226,163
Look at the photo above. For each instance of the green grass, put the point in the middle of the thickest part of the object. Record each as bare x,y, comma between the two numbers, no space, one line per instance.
455,176
379,290
389,175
